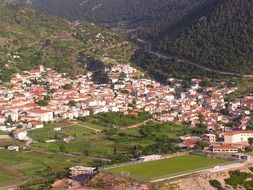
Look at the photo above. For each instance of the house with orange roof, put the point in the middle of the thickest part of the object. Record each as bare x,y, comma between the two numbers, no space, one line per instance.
35,125
27,118
29,106
41,115
225,149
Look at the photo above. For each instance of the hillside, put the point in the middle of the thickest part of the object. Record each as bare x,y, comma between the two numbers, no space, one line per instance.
29,38
219,36
128,13
213,33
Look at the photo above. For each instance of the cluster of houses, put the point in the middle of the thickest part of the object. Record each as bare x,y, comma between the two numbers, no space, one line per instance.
230,142
43,95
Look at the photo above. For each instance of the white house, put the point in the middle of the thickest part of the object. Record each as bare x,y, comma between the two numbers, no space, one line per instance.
2,119
35,125
42,115
84,113
81,170
211,138
57,129
150,158
233,137
20,134
13,148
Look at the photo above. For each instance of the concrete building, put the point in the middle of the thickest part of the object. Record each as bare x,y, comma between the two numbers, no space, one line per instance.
20,134
225,149
42,115
237,137
210,138
2,119
77,171
150,158
13,148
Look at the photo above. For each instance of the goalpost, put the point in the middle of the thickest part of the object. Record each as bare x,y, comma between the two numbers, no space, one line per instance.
124,173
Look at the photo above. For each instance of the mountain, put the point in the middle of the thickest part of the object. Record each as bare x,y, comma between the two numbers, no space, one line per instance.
199,37
29,38
214,40
111,12
212,33
217,35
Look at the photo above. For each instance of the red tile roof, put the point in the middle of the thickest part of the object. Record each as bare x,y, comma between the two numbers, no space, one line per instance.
38,111
225,147
230,133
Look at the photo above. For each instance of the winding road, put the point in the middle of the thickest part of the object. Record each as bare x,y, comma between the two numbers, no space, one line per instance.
151,50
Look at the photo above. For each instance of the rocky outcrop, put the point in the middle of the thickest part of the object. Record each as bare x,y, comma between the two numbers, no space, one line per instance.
112,182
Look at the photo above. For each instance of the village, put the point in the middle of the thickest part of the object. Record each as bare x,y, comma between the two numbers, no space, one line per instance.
41,96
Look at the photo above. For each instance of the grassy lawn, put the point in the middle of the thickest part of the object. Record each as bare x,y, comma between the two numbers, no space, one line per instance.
166,167
3,133
90,143
48,132
117,119
18,166
4,177
84,139
43,134
8,142
92,124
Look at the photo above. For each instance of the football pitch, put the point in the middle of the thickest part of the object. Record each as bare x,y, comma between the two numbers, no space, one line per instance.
167,167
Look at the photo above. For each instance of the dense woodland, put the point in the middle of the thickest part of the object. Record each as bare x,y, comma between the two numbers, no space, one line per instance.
221,38
163,69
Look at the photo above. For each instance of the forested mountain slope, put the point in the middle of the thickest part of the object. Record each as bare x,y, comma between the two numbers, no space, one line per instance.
213,33
29,38
220,37
124,12
216,34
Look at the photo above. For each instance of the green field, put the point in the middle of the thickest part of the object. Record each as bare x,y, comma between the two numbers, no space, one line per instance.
88,142
89,148
85,139
4,177
167,167
17,167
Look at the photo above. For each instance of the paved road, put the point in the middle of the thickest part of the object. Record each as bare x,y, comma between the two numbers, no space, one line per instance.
150,49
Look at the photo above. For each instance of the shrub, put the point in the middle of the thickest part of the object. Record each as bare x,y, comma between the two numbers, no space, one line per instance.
216,184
